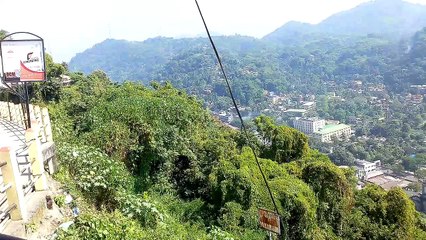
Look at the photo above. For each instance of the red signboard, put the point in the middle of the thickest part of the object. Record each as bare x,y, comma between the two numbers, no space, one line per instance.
269,221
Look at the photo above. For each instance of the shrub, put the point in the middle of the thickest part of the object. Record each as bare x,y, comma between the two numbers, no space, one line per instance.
139,208
95,174
59,200
103,226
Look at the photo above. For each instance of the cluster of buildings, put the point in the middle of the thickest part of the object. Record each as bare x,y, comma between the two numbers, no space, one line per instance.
321,129
419,89
296,110
414,98
373,173
358,86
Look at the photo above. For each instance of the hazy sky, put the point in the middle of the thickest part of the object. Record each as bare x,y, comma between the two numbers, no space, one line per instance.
72,26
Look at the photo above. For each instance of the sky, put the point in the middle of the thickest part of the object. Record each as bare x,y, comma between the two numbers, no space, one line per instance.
71,26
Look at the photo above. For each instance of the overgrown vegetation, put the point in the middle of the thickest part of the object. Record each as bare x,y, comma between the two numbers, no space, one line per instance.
310,66
151,163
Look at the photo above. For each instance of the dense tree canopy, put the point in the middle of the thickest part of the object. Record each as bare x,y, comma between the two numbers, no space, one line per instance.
149,162
166,169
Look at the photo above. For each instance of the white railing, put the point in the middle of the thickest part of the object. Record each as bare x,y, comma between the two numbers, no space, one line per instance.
23,165
15,114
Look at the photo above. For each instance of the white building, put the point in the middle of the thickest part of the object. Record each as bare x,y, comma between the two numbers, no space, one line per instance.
295,112
330,131
366,170
308,125
308,105
66,80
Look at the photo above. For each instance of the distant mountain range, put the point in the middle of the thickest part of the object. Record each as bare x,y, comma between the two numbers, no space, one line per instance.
394,18
364,41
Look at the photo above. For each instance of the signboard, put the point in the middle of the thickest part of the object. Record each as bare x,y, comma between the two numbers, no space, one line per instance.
23,60
269,221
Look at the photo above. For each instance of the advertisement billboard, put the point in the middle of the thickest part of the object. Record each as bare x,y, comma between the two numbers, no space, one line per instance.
23,60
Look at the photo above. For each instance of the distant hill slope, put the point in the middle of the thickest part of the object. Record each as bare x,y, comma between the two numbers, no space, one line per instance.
122,59
125,60
253,65
385,17
306,62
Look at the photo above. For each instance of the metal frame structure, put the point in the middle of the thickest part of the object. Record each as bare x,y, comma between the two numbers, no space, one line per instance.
25,97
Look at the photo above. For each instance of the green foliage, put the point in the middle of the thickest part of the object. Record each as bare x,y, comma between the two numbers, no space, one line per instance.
414,162
400,214
238,190
84,93
281,143
139,208
218,234
59,200
163,168
176,231
333,192
342,156
311,64
51,89
415,187
390,140
156,132
103,226
54,70
3,33
231,216
371,200
97,176
379,214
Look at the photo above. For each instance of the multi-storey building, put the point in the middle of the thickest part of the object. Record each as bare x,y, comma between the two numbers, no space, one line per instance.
308,125
330,131
366,170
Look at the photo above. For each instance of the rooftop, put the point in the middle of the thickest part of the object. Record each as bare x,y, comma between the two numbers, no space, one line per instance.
374,174
311,119
387,182
296,110
332,128
308,103
363,162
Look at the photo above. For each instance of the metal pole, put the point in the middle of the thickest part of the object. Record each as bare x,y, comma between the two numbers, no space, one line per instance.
27,100
8,107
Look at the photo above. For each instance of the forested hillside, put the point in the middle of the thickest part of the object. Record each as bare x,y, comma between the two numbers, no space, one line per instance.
373,43
254,66
151,163
144,157
299,65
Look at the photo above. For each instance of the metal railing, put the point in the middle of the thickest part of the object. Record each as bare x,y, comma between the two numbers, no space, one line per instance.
23,159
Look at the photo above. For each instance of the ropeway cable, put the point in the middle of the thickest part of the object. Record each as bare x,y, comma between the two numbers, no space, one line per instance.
243,127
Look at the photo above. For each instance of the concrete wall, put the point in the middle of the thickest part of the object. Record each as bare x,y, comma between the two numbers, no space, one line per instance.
35,145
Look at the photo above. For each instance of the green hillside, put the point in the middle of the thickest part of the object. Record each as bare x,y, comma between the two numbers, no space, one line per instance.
255,66
151,163
375,42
